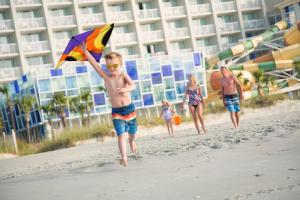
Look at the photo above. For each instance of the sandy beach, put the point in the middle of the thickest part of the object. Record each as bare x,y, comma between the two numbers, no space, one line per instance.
259,160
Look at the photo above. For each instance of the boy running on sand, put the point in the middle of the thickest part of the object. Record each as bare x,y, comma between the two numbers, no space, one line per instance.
118,86
232,94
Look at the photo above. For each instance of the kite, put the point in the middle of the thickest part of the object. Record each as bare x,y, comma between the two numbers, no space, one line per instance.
95,40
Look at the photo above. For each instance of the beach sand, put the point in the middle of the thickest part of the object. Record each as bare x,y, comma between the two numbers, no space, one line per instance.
259,160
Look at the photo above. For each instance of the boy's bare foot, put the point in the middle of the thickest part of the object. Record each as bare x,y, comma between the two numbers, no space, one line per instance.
123,162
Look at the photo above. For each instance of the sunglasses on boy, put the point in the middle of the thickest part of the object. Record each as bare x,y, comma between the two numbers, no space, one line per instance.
115,65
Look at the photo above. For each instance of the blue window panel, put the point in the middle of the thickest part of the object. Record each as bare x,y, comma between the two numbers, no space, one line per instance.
189,68
81,69
38,116
44,85
166,70
71,82
99,99
17,111
132,70
16,86
138,104
67,112
179,76
24,78
136,94
33,119
95,78
156,78
170,95
197,59
180,88
32,91
56,72
148,99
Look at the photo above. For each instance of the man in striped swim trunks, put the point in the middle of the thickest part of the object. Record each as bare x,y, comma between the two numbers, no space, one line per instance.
232,94
118,86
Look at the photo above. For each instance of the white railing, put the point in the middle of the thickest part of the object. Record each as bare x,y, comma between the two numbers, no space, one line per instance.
120,16
82,1
36,46
58,1
10,73
31,23
179,32
60,44
249,4
8,48
27,2
204,29
226,6
41,69
125,38
63,20
174,11
208,50
229,27
4,2
253,24
149,13
152,35
6,25
198,9
92,18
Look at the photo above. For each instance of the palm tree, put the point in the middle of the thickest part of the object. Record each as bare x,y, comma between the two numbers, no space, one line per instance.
86,98
26,104
77,107
49,110
60,102
259,80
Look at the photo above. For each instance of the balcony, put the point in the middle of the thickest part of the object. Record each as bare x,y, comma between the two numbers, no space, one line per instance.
9,74
230,27
154,54
228,45
204,30
89,1
31,23
200,9
208,50
63,21
174,11
8,49
149,14
27,2
254,24
148,36
125,38
6,25
250,4
179,33
226,6
92,19
58,1
38,46
40,70
121,16
61,44
4,3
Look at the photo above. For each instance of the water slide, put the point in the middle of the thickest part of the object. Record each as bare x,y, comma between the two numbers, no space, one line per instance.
248,44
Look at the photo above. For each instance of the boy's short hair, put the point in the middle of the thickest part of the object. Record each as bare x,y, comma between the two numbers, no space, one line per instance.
112,55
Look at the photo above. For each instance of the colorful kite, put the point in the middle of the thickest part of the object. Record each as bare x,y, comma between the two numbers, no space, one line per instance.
95,40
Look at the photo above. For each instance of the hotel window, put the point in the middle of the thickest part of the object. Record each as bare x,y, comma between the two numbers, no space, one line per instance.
62,34
152,48
122,29
60,12
28,14
145,5
118,7
7,63
88,10
37,60
34,37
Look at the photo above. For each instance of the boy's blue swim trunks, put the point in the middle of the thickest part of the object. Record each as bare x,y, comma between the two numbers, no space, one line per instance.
232,103
124,119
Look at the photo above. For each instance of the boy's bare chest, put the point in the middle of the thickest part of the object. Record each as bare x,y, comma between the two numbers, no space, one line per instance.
116,83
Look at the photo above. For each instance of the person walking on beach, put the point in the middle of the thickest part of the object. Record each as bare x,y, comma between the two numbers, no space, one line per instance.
167,112
232,94
118,86
196,102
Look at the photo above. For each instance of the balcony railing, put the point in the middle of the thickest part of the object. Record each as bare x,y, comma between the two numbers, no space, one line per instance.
8,48
198,9
27,2
228,45
58,1
179,32
61,44
10,73
230,27
63,21
31,23
204,30
125,38
36,46
40,69
84,1
254,24
226,6
4,2
208,50
6,25
120,16
152,35
250,4
174,11
90,19
149,13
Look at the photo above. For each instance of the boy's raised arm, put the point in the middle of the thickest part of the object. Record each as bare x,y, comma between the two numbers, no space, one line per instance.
93,62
